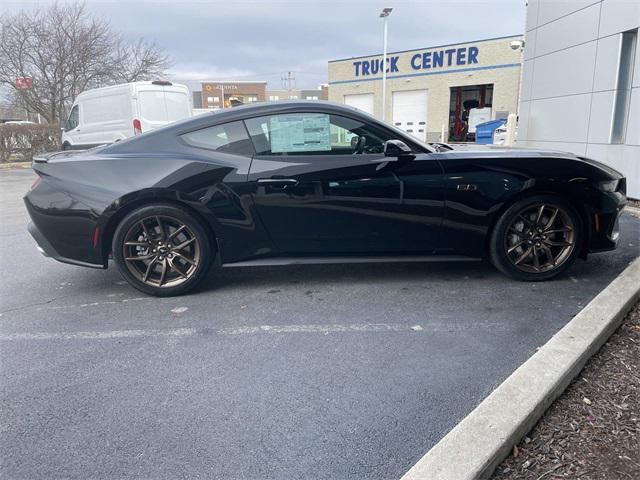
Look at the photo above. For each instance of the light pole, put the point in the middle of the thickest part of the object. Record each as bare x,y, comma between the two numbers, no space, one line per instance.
384,14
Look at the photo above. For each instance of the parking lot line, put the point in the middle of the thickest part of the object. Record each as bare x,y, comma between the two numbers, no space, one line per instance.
174,332
251,330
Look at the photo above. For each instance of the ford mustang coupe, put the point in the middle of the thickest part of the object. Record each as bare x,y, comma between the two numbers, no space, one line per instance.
314,182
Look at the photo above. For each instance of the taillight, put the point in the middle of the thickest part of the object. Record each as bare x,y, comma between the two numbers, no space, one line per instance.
36,182
137,127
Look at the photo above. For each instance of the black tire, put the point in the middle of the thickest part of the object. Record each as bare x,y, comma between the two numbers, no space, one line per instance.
66,146
554,246
168,271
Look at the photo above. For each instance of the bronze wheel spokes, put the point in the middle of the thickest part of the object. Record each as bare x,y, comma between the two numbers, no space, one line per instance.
540,238
161,251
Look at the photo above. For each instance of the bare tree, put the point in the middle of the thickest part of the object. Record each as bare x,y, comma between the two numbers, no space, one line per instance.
139,61
64,51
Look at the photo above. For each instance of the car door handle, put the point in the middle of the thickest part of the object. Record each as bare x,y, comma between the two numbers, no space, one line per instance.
278,181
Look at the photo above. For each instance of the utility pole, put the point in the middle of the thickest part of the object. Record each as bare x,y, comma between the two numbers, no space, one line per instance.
288,81
384,15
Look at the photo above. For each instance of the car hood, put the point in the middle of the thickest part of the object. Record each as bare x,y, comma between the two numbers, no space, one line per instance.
480,152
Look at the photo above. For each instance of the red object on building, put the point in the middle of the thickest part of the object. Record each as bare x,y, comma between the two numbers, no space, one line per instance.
24,83
458,126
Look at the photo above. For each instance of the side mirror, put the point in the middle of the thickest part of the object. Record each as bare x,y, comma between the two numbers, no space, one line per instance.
63,125
398,149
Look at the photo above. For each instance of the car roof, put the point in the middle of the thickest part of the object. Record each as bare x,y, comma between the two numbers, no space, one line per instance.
253,110
265,108
258,109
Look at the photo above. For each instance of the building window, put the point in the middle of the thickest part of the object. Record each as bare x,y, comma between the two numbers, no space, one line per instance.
623,89
216,99
209,99
273,98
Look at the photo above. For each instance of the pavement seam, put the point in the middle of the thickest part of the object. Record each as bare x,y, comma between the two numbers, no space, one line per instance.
475,447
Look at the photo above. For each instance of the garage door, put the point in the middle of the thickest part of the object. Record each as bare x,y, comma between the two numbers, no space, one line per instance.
410,112
362,101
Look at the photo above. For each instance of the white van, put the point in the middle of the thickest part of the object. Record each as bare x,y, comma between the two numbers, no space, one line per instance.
105,115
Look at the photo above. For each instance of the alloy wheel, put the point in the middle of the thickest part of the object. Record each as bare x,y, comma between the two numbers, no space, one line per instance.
161,251
540,238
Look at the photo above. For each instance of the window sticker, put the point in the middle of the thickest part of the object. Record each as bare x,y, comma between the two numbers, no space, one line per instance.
300,133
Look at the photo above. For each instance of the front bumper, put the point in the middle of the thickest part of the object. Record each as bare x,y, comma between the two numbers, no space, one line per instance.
605,223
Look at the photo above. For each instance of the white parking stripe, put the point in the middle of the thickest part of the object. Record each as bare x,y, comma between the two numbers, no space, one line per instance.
374,327
175,332
253,330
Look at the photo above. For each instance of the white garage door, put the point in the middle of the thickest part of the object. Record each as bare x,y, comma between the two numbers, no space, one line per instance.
362,101
410,112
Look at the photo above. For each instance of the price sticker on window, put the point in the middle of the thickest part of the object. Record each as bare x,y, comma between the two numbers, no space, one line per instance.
308,132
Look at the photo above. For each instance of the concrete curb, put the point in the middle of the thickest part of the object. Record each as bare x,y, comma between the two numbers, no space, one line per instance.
635,211
475,447
14,165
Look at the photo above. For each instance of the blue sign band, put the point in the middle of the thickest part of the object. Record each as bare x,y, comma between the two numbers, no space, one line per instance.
420,74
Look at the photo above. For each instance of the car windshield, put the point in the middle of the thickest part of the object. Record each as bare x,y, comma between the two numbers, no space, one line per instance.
402,134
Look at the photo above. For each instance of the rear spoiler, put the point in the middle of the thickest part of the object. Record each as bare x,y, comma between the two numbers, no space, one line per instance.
45,157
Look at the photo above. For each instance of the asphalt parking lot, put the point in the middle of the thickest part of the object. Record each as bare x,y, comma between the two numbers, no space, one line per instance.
282,372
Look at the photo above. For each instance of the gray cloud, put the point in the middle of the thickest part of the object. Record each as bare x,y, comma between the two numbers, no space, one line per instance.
252,39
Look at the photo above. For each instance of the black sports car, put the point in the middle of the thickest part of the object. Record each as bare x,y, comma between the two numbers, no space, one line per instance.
314,182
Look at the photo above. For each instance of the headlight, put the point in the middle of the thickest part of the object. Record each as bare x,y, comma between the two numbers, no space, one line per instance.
609,185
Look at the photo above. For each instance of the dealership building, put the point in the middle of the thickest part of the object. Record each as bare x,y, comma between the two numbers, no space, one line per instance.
581,82
434,90
216,94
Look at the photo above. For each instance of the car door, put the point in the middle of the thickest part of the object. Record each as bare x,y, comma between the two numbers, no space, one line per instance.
323,185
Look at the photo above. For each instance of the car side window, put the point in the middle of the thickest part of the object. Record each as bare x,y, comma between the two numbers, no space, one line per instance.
314,134
227,138
74,118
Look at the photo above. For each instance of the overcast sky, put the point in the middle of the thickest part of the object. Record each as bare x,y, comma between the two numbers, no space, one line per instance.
263,39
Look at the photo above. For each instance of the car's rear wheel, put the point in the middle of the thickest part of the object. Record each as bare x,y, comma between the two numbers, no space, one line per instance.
162,250
537,238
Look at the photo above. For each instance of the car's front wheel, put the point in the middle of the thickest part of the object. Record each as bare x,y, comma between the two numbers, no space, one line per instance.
536,238
162,250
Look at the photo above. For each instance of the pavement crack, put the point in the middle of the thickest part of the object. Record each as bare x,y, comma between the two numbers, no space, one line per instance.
31,305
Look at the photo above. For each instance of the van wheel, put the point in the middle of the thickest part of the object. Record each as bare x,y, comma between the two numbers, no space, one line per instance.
162,250
66,146
537,238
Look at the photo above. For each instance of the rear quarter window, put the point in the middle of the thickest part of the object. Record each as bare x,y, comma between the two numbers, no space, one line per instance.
227,138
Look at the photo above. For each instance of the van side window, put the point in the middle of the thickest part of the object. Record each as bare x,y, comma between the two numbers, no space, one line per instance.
74,119
227,138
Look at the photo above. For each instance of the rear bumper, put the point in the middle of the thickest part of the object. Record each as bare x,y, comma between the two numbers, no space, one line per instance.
48,250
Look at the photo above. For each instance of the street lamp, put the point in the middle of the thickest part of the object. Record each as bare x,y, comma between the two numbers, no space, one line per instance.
384,14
